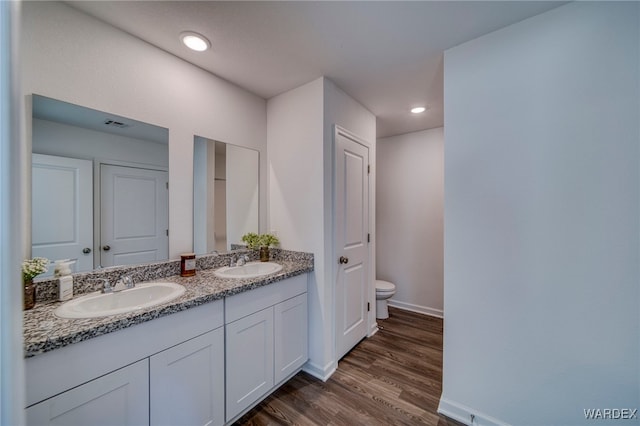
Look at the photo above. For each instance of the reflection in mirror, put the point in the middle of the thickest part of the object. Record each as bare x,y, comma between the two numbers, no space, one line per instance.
99,187
225,194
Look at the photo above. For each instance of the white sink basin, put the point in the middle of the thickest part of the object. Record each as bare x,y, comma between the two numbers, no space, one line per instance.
141,296
248,270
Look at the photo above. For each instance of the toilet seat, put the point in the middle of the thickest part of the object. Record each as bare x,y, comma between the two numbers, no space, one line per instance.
384,286
384,294
384,290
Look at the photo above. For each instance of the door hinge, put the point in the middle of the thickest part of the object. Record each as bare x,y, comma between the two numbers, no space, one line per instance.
368,306
368,168
368,238
167,185
167,232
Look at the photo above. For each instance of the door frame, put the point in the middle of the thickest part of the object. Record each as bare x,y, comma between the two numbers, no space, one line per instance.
372,326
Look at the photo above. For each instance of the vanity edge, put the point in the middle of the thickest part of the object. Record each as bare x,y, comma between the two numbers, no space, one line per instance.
44,332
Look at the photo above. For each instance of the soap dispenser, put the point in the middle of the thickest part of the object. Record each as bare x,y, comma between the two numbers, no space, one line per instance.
62,271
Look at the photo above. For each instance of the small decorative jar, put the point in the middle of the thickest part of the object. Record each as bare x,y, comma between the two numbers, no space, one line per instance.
187,265
29,295
264,254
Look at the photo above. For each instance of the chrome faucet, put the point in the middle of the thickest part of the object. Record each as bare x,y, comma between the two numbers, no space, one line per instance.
106,285
127,280
242,259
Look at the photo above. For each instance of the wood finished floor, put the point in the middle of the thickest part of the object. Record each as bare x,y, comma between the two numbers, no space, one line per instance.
392,378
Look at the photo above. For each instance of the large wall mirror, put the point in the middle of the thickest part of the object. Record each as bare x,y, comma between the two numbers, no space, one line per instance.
226,192
99,187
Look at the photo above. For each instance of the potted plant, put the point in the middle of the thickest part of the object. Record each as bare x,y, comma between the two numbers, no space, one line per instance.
263,242
30,269
252,240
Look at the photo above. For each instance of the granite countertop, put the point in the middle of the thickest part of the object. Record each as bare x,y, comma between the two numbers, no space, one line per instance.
44,332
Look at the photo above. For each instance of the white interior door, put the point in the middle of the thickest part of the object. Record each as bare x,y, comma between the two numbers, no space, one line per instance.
134,215
351,239
61,210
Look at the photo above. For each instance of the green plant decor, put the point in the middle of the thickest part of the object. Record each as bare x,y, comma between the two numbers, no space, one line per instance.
252,240
268,240
255,241
34,267
30,269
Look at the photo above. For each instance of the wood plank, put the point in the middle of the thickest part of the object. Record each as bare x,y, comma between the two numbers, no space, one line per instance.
392,378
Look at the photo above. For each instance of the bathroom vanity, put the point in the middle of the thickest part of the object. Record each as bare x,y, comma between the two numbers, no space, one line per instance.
205,358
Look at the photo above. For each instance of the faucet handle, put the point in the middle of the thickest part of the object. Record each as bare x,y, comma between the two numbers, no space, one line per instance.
127,280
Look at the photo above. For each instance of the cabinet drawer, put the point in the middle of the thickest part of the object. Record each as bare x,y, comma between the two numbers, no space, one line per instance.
243,304
118,398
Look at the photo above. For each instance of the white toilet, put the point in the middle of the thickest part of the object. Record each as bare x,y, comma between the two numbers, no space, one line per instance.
384,291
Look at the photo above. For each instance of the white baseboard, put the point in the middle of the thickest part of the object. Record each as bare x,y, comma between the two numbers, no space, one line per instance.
467,415
373,330
416,308
319,372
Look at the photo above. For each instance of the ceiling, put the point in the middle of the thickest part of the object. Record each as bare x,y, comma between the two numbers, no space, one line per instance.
386,55
74,115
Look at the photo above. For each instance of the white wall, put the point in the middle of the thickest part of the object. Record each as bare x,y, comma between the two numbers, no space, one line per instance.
201,195
12,208
296,208
242,196
409,225
300,141
541,218
70,56
53,138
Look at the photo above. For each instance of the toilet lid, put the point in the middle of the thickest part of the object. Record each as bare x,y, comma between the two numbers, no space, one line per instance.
385,285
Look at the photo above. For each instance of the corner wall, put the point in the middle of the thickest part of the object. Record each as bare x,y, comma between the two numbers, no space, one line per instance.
300,147
542,233
296,206
409,226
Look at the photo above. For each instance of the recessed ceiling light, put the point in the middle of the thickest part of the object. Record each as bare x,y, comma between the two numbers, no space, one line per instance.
418,110
195,41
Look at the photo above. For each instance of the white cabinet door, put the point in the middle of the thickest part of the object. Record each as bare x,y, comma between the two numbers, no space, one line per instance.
249,360
118,398
187,382
290,334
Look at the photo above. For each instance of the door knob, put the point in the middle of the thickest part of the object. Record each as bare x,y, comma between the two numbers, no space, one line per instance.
86,250
106,248
343,260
